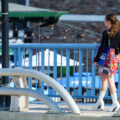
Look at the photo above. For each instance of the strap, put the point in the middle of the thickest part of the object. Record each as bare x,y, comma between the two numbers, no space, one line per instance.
109,51
109,42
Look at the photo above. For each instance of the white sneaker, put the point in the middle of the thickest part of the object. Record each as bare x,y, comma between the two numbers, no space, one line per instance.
99,105
115,107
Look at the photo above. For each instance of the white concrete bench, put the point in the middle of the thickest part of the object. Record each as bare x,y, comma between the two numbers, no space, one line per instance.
19,103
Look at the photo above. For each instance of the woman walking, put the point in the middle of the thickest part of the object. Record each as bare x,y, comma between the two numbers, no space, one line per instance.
112,35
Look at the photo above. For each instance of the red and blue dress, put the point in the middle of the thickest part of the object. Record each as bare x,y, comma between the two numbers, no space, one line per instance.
113,59
112,62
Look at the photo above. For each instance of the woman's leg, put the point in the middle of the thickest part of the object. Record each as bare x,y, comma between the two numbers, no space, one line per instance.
111,83
115,105
100,102
104,79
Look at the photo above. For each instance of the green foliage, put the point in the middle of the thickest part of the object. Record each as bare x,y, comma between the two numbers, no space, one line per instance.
64,71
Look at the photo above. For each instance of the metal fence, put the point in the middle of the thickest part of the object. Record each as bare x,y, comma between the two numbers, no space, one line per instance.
69,64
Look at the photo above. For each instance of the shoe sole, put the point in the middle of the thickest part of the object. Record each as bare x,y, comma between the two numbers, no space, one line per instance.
116,109
99,108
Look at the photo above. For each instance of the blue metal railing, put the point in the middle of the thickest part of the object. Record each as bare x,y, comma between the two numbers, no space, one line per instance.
69,64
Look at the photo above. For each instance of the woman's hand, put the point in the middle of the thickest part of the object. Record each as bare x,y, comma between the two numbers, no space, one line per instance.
95,63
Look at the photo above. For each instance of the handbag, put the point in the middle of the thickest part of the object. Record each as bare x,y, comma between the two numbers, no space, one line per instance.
104,70
104,55
102,60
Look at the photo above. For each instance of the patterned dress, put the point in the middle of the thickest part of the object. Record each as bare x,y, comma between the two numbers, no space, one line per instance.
112,62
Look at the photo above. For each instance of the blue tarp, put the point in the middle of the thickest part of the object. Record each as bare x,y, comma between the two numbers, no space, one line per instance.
86,80
74,82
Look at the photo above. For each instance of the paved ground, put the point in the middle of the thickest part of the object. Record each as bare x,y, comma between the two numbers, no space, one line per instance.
86,109
39,111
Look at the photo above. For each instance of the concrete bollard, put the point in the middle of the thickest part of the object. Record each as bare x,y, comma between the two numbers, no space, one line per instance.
19,103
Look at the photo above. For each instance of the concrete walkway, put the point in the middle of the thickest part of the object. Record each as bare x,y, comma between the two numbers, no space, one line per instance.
39,111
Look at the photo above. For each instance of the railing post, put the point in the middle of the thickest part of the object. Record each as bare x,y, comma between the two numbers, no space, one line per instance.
55,64
61,64
118,92
30,67
93,74
49,58
19,57
80,72
42,67
67,68
15,57
49,62
55,67
87,72
75,92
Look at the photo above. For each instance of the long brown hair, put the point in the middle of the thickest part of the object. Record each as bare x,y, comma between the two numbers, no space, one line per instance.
115,24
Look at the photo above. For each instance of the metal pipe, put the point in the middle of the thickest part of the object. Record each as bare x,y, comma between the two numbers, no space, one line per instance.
5,42
45,78
5,50
54,45
32,93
